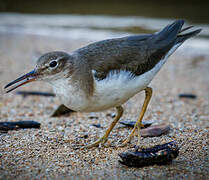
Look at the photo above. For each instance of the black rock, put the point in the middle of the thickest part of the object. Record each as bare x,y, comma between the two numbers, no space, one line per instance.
6,126
97,125
35,93
132,123
189,96
160,155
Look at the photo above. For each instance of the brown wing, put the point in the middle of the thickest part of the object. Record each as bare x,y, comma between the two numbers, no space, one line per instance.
133,53
137,54
105,56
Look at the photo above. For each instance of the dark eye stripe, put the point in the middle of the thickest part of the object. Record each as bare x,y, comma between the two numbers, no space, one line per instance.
53,64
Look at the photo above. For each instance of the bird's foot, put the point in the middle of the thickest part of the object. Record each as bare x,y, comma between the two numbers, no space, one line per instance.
100,141
126,141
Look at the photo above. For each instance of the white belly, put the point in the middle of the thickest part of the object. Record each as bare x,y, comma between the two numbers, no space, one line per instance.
113,91
118,88
110,92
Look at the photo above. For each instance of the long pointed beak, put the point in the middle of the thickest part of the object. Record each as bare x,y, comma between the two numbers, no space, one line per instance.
29,77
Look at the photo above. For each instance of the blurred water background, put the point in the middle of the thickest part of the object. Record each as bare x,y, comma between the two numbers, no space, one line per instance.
92,20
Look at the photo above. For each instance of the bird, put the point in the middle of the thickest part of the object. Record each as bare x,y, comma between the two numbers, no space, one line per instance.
107,73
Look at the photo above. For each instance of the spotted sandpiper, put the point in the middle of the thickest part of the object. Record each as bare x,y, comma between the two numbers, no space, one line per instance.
107,73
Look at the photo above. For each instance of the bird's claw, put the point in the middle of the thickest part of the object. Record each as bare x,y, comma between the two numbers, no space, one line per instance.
99,142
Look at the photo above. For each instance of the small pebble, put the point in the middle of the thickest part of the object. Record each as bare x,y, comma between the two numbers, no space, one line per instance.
155,130
112,115
188,96
93,116
97,125
132,123
85,136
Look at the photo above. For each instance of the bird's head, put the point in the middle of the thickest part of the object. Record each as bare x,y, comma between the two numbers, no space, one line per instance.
50,66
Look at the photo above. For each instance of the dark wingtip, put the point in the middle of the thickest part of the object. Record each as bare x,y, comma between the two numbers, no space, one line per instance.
194,33
198,31
185,29
178,23
169,33
181,21
183,37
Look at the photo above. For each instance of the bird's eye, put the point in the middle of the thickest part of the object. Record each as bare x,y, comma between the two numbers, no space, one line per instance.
53,64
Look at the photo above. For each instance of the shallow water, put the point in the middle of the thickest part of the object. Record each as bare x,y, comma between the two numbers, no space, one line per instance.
92,28
89,21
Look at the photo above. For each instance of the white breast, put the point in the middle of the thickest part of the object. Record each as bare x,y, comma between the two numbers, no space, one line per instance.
70,94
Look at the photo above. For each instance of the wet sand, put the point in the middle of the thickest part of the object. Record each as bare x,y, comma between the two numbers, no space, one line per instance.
48,153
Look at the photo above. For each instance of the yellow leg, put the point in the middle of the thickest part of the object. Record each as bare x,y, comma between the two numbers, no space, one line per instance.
103,139
148,95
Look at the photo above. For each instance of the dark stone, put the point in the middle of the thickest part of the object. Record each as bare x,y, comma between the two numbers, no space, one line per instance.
61,110
155,130
35,93
6,126
132,123
97,125
188,96
160,155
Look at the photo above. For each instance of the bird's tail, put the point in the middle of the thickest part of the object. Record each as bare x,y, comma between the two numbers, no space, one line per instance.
181,37
173,33
171,37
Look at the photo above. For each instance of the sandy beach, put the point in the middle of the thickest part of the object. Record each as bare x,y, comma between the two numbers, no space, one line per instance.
48,152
